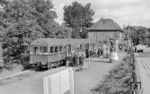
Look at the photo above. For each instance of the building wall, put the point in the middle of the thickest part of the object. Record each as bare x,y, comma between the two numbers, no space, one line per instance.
101,36
1,53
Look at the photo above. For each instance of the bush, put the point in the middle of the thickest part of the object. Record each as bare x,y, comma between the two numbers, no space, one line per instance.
119,78
12,67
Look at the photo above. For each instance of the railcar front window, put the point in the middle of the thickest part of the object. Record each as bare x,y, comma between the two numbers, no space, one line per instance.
35,50
43,49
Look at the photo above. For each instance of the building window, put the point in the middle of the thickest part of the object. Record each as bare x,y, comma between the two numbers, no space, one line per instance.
51,49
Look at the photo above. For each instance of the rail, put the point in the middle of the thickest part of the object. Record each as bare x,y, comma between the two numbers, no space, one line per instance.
12,75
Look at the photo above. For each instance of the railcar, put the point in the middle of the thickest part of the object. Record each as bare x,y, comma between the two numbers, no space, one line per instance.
51,52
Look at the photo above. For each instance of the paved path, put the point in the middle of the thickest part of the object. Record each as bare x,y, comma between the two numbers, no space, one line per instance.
84,81
31,85
88,79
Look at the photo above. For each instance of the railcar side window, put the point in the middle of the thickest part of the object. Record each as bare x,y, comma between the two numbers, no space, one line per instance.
45,49
51,49
69,48
35,49
56,49
65,49
81,46
84,46
60,49
87,46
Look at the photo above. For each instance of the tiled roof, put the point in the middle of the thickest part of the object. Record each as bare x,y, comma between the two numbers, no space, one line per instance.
105,24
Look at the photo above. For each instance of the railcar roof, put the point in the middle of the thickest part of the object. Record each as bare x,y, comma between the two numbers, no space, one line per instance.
49,41
78,41
54,41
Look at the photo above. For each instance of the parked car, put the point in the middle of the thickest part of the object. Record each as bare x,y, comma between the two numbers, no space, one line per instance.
139,48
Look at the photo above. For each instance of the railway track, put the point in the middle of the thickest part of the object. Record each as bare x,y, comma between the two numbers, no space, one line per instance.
21,76
17,77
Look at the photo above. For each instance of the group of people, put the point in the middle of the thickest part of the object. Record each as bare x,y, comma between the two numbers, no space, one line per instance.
76,60
95,53
100,51
108,51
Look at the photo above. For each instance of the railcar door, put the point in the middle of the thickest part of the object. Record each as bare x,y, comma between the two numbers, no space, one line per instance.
67,49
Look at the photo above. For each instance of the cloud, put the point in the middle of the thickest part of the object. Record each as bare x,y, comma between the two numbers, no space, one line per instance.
124,12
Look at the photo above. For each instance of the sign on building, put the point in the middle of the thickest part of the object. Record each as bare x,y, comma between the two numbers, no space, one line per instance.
60,83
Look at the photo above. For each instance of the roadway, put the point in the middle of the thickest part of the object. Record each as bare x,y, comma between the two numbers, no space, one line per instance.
143,70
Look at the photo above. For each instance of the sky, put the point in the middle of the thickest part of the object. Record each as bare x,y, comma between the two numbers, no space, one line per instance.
124,12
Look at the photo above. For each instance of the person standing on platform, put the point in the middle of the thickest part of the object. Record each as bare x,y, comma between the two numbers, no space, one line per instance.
104,50
98,52
87,53
75,60
113,52
81,60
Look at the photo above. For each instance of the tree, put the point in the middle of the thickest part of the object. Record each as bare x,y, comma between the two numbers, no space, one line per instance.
79,18
22,21
138,34
3,2
143,36
44,16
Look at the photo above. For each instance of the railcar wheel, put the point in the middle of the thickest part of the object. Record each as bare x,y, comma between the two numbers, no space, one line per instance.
38,67
63,62
53,65
30,66
59,63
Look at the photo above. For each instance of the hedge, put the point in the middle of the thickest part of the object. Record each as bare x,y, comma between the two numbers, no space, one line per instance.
118,79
